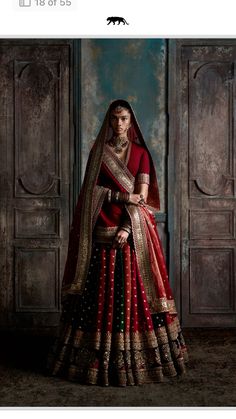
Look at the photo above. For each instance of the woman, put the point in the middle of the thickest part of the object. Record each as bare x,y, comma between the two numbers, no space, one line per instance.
119,324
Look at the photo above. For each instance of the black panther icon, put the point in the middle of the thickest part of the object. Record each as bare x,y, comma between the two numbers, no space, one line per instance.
115,19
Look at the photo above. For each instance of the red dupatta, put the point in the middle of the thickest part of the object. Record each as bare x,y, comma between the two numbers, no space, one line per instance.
90,201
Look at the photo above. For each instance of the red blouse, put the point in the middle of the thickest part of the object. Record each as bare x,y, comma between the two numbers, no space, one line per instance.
139,165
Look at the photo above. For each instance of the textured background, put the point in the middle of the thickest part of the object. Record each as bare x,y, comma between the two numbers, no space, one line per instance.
134,70
131,69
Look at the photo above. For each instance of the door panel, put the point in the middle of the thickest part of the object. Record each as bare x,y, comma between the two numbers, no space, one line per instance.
36,173
205,99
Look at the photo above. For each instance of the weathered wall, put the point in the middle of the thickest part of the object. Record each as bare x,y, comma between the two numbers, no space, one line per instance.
135,70
131,69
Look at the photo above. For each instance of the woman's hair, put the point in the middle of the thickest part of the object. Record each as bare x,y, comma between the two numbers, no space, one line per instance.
120,103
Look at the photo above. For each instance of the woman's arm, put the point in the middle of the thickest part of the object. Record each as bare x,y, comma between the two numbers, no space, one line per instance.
142,179
118,197
142,189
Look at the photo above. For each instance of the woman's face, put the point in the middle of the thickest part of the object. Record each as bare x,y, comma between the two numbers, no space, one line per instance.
120,121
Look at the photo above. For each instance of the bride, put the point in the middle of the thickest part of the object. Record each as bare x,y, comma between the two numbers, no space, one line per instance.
119,324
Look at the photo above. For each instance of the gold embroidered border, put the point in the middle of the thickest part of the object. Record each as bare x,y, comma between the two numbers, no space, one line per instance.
137,340
164,305
170,331
119,170
142,254
104,234
99,195
85,243
145,350
143,259
171,306
126,374
126,340
143,178
173,329
128,153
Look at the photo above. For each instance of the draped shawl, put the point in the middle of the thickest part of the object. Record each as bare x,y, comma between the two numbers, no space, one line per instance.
147,244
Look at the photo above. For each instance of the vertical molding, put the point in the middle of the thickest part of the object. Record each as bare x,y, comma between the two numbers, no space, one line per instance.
166,181
77,87
173,172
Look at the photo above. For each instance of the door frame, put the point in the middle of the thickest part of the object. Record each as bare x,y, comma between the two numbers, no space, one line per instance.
173,173
174,149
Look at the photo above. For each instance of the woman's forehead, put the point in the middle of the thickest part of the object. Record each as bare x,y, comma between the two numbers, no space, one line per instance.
120,112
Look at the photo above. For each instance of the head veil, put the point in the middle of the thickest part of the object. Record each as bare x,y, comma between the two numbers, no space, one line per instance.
80,240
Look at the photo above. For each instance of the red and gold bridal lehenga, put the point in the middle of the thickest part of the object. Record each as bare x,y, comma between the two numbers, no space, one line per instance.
119,324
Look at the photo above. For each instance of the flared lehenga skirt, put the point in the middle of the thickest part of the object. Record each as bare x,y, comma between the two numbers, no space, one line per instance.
108,336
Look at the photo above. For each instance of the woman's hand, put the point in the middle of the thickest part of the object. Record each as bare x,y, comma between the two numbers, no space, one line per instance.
120,239
136,199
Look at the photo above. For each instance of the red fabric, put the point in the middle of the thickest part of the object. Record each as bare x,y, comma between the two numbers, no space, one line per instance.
135,135
111,316
158,263
144,165
110,335
111,213
132,134
115,300
139,162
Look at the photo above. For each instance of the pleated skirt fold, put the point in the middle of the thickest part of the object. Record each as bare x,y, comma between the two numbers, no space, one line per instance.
108,336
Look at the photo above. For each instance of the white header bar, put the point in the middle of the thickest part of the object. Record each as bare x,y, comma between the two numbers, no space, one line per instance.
88,18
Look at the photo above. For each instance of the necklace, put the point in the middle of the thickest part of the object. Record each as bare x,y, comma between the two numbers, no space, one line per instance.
118,143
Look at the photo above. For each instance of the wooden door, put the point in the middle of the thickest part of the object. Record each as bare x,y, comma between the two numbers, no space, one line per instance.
202,155
35,174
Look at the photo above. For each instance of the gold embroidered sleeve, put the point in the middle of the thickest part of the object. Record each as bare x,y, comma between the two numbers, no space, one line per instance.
143,178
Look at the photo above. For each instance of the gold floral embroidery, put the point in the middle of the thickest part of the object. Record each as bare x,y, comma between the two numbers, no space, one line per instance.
141,248
99,195
128,357
119,170
104,234
163,305
85,242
